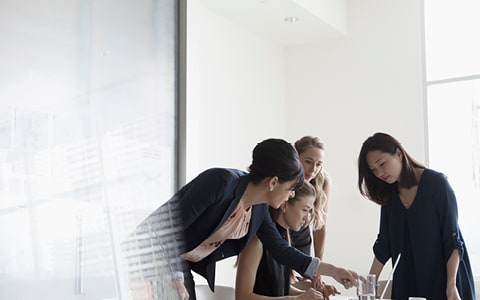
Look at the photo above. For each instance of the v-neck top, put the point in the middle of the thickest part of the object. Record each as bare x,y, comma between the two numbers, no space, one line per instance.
426,234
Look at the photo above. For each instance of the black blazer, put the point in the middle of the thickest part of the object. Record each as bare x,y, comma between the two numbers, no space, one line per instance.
199,209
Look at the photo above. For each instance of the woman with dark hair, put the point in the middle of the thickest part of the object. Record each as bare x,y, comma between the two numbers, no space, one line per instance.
419,220
217,213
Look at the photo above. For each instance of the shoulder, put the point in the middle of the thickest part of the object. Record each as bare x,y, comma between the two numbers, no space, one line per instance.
253,250
221,175
226,173
431,176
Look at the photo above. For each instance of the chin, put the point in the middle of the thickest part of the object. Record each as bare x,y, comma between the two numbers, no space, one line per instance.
276,206
296,228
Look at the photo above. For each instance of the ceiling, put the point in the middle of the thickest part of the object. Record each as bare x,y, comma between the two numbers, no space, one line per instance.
318,20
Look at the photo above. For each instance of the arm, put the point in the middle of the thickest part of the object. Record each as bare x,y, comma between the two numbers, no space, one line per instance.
376,269
452,242
346,277
452,267
295,259
319,236
248,262
280,250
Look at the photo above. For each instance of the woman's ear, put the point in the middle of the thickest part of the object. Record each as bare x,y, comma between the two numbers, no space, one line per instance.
399,154
272,183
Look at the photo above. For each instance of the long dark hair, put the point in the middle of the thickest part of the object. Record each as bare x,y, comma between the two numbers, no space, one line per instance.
371,186
276,157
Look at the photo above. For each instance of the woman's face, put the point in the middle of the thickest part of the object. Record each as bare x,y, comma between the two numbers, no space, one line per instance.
298,214
312,161
385,166
281,193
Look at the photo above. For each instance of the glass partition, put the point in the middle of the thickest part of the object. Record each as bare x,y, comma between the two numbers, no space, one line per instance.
88,95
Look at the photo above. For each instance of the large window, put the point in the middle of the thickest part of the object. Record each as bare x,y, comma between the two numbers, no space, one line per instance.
452,52
88,95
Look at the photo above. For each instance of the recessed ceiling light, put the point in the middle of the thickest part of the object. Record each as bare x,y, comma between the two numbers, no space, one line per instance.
291,19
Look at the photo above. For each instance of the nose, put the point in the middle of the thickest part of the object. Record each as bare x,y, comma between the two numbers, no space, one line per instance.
377,172
306,217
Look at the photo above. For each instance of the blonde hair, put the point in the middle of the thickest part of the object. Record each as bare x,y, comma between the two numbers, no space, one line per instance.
320,182
307,190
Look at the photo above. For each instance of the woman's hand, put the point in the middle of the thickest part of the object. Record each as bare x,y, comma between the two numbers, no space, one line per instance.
311,294
347,278
328,290
181,289
317,281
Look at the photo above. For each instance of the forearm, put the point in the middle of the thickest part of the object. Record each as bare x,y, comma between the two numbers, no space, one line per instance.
252,296
319,237
452,267
376,267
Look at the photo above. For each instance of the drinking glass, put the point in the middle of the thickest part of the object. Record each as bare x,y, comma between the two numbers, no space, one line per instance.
366,287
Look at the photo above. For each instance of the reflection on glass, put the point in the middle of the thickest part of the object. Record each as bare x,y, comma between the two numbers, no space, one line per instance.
87,135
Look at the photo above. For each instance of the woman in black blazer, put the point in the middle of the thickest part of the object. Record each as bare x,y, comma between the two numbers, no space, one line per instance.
217,213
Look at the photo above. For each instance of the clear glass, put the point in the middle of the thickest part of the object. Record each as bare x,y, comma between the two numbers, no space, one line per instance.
452,45
87,141
366,287
454,149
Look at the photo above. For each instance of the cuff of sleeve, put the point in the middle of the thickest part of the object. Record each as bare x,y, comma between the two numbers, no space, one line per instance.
178,276
312,267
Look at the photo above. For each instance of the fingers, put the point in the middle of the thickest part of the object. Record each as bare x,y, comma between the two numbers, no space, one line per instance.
350,279
317,282
315,293
329,290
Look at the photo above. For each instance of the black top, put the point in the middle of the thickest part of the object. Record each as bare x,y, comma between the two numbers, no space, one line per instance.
302,239
426,235
273,278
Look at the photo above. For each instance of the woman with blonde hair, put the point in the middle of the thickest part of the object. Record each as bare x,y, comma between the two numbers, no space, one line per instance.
259,275
311,151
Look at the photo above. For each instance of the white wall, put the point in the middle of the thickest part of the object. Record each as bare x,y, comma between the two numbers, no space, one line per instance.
346,90
242,89
235,91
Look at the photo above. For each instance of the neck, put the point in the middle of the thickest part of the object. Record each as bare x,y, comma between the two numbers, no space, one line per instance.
280,221
254,194
418,174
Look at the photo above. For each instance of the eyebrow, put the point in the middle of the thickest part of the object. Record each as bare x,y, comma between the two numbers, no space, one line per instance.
311,158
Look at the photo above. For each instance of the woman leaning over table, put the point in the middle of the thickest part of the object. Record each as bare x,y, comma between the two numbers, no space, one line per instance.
217,213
